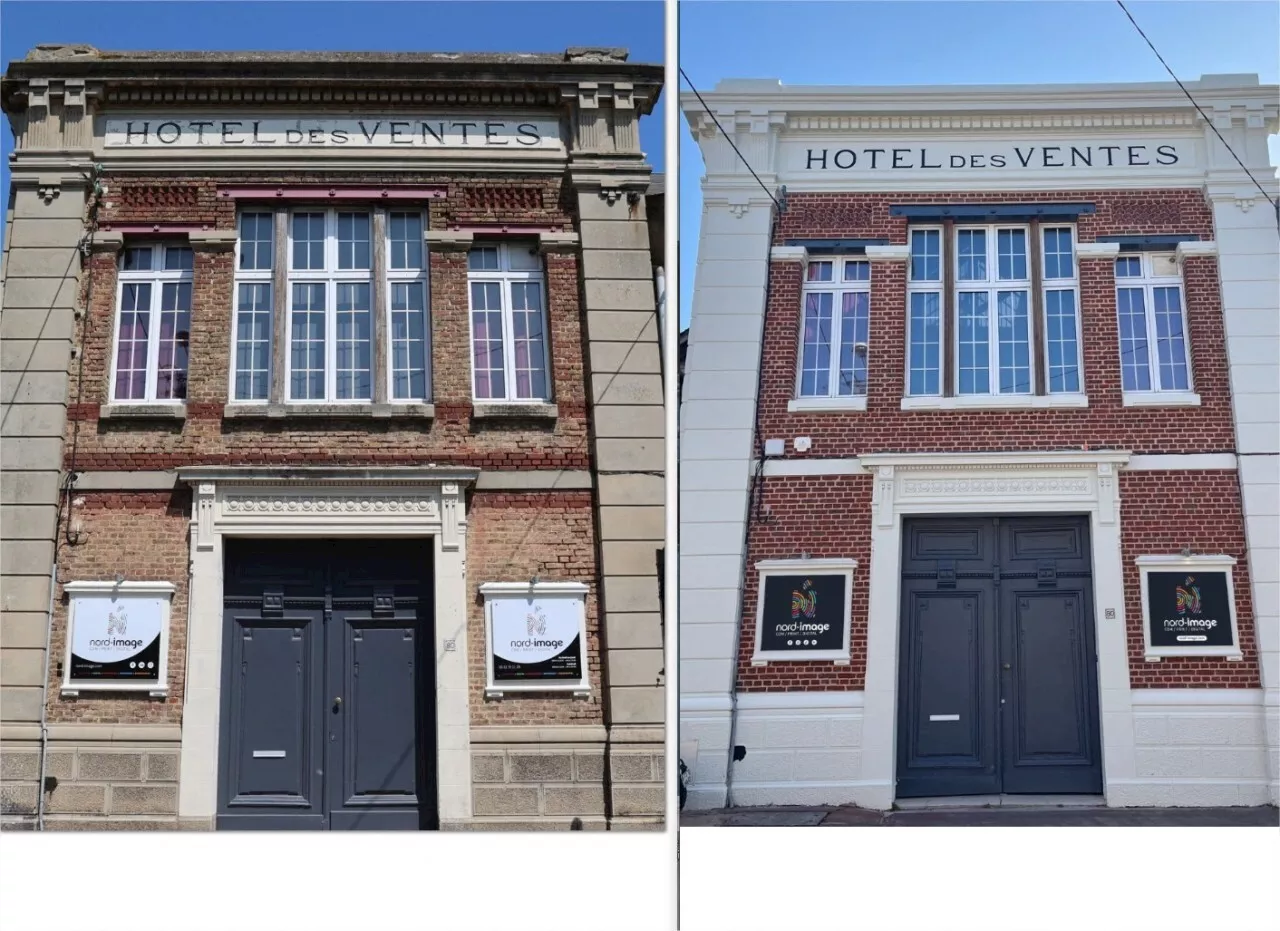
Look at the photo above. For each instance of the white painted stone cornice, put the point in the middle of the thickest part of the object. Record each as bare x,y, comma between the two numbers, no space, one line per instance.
800,124
1055,459
1186,250
789,254
897,253
1097,250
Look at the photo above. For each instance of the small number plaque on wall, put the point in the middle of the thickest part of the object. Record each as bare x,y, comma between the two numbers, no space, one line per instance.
802,610
118,637
1188,606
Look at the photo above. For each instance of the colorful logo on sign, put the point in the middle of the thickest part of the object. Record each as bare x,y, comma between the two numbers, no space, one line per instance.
804,601
1187,597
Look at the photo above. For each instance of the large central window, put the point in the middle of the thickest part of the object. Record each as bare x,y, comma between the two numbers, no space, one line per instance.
979,298
336,284
508,323
833,341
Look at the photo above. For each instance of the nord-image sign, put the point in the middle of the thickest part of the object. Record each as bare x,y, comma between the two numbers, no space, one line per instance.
970,158
117,639
1189,608
391,132
802,613
537,640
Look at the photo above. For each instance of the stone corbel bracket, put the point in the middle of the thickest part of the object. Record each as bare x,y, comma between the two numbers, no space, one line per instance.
449,240
212,240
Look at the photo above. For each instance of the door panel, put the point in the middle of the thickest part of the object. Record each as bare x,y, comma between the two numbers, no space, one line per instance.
997,625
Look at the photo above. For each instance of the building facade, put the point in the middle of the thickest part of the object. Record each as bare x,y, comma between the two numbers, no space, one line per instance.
333,442
977,433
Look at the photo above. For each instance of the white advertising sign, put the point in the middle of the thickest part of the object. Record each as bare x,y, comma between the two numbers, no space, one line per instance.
537,636
423,131
118,638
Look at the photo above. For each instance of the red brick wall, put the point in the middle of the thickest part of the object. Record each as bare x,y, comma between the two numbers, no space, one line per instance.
451,439
1161,512
145,534
1105,424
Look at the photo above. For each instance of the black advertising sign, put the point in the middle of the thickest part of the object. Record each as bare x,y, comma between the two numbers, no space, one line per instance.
1189,609
537,640
803,613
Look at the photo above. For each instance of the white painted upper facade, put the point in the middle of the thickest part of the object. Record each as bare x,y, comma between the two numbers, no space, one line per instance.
1125,136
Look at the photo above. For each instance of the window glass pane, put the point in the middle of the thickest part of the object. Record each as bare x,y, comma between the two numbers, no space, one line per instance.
1013,344
353,342
405,233
308,241
925,255
307,342
971,247
253,341
1061,352
1164,265
408,341
818,271
815,365
1171,343
1011,255
175,338
178,259
523,257
973,344
131,346
1059,257
488,362
256,241
353,240
483,259
1129,267
528,340
1135,362
857,271
137,258
924,344
853,343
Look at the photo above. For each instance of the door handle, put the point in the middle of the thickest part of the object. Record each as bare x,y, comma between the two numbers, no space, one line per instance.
1006,666
337,702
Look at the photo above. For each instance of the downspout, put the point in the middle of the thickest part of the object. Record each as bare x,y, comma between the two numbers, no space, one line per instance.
754,489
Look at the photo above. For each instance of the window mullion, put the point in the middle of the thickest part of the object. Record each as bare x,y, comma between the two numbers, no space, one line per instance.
1153,336
151,388
509,339
281,298
379,308
836,344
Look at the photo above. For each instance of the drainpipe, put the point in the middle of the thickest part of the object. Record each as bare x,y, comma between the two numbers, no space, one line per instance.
660,280
44,683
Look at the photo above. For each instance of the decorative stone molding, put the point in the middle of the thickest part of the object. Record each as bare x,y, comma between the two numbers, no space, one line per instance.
1186,250
202,504
789,254
449,240
610,195
106,241
1097,250
212,240
739,210
889,253
558,243
926,121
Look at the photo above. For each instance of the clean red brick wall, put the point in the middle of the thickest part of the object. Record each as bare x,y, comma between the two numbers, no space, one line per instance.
1105,424
511,537
143,534
452,438
1160,513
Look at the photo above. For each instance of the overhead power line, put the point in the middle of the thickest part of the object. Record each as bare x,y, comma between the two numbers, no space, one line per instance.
1199,109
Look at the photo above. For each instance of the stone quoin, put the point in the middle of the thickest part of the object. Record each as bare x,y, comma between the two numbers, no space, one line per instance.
1006,357
313,381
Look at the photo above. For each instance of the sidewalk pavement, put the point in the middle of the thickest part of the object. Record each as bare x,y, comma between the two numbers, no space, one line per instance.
1001,816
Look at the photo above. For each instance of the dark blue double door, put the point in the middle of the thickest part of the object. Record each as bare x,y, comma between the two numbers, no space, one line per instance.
327,716
997,684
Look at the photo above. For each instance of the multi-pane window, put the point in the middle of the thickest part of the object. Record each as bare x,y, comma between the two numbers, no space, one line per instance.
330,292
989,341
833,340
1153,325
508,323
154,323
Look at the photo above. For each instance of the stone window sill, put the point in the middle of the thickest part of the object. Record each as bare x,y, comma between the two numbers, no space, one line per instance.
1161,399
853,403
514,411
994,402
142,412
330,411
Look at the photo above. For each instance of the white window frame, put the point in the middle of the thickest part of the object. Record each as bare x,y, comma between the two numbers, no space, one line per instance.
157,277
1072,284
253,276
396,276
770,567
524,591
506,277
837,287
927,286
1147,283
991,286
1206,563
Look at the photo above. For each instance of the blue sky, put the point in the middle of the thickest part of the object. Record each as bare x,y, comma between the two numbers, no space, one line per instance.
355,25
1035,41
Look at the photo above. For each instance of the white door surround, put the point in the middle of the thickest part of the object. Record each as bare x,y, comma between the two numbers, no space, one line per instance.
325,502
972,483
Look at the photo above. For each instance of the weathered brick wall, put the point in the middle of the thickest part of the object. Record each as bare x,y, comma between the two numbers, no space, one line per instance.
1161,512
144,535
512,537
453,438
1105,424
